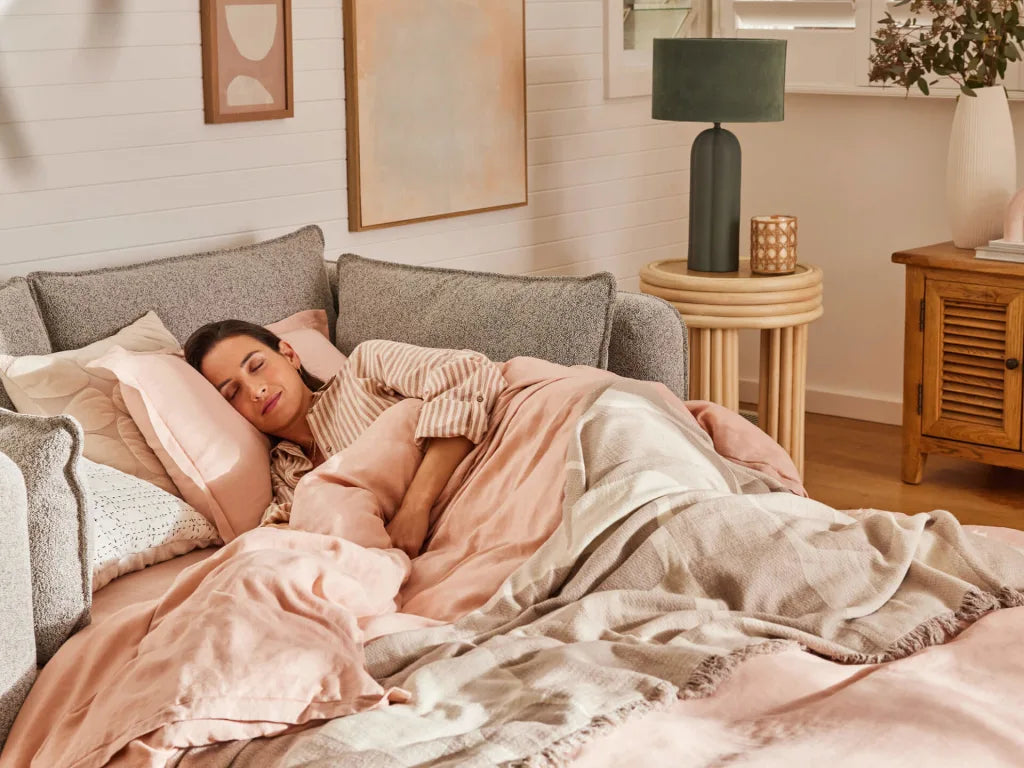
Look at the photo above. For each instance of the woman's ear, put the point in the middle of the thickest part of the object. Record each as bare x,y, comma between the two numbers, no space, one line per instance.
289,353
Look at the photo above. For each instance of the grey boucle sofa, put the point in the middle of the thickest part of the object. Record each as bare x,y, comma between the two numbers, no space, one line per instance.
566,320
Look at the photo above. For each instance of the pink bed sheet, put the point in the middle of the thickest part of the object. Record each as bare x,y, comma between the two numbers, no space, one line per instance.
139,586
952,705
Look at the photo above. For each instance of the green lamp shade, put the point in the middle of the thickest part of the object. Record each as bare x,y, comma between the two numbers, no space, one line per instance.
719,80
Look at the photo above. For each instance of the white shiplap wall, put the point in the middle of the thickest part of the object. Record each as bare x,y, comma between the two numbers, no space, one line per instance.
105,158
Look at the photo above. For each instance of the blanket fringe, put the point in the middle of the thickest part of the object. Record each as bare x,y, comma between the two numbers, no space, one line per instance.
711,673
942,628
715,670
562,752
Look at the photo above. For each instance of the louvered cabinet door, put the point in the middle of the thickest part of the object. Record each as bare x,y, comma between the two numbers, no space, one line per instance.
971,388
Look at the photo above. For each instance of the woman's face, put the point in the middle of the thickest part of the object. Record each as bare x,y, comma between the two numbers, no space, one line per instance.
261,383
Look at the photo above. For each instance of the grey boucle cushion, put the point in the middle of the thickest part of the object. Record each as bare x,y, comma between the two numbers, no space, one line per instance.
22,331
649,342
46,449
260,283
17,638
566,320
332,278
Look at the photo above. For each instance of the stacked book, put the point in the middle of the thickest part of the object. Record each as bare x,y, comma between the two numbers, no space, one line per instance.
1000,250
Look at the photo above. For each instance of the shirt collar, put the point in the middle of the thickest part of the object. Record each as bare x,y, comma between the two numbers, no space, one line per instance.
287,447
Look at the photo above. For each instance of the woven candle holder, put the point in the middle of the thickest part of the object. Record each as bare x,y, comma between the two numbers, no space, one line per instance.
773,245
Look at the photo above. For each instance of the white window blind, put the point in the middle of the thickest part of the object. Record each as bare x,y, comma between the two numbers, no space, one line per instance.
829,41
821,37
794,14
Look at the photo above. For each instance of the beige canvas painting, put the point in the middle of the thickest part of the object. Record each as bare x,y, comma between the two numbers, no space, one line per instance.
436,108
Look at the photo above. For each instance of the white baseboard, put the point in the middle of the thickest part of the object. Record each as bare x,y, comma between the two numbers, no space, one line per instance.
846,404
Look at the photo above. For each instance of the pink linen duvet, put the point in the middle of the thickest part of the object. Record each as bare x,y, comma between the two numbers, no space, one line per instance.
266,636
267,633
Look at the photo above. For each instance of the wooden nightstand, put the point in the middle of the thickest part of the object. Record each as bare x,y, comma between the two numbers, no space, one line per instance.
962,353
715,306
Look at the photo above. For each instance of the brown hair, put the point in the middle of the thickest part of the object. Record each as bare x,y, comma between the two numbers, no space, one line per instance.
203,340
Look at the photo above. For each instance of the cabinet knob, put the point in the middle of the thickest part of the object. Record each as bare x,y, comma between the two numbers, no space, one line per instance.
1012,363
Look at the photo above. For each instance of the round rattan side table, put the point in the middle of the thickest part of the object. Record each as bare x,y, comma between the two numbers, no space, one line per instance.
715,306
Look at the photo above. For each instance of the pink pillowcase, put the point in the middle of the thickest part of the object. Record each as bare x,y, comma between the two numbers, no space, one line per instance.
219,462
312,319
308,334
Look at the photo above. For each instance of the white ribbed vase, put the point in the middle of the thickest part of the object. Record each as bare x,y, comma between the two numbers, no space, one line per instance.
981,171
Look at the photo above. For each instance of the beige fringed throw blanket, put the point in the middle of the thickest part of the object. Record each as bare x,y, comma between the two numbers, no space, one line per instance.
670,567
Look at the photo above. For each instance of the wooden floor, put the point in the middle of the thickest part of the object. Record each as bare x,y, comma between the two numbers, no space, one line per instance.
853,464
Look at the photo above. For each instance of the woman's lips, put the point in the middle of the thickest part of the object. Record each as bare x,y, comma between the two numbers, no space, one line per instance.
271,403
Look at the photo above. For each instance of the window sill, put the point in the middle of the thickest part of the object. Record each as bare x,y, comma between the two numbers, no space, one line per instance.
886,91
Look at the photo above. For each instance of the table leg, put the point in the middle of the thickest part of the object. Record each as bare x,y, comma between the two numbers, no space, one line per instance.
717,365
714,366
768,405
800,396
786,361
783,381
730,369
700,365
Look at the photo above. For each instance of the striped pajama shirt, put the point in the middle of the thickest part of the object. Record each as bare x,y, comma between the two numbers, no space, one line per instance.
458,387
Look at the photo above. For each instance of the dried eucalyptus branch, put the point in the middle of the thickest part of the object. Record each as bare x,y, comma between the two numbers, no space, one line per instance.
969,41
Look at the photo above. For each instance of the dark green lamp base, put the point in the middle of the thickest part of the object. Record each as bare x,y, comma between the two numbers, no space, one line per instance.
715,202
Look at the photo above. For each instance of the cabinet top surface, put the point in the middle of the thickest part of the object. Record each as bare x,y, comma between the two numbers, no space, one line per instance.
948,256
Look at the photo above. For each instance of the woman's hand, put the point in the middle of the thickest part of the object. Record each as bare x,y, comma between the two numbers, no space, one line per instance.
408,528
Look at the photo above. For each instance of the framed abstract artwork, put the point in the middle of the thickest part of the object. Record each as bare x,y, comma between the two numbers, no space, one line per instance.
435,109
247,59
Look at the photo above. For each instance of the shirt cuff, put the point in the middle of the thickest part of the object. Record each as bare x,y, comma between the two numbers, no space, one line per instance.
453,418
277,512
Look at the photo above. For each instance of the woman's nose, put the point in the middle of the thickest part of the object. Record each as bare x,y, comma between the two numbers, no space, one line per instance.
259,391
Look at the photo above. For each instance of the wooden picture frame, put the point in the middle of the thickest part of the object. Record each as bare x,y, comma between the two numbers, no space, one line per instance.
247,60
436,120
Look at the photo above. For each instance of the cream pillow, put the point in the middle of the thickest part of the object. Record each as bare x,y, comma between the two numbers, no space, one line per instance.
135,524
47,385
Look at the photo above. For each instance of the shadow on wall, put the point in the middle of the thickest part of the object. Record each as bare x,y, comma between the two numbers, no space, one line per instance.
14,142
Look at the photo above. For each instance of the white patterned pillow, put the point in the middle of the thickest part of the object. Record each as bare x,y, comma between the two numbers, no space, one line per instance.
136,524
48,385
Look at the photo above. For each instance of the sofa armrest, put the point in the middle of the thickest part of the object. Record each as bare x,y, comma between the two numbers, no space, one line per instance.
649,342
17,632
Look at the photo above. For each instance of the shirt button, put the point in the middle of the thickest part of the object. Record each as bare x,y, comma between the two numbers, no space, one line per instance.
479,398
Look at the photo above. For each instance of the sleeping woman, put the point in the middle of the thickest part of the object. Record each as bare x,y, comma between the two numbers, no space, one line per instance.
310,420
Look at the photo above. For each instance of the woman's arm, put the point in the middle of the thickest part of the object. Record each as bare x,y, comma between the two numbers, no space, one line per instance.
408,528
458,387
